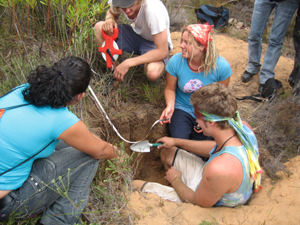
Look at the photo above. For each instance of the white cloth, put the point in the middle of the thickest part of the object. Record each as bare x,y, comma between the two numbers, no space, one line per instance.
152,19
191,167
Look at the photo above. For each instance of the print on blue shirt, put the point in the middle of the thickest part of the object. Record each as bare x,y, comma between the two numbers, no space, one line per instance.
192,85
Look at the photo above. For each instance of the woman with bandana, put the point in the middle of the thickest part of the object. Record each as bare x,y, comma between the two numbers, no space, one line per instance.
232,172
198,64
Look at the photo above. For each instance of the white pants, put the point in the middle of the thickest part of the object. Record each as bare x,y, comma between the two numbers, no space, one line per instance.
191,167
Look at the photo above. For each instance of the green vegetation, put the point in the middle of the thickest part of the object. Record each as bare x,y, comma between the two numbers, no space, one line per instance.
35,32
111,191
41,32
278,127
214,222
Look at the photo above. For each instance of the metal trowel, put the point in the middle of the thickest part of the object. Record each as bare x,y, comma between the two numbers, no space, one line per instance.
143,146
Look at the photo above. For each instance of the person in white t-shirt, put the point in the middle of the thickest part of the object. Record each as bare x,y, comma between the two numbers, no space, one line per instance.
148,36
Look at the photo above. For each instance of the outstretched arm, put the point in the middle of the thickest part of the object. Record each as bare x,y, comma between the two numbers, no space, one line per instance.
107,25
110,22
197,147
155,55
79,137
170,90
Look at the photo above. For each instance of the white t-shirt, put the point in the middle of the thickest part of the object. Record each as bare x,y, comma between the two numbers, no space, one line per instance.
152,19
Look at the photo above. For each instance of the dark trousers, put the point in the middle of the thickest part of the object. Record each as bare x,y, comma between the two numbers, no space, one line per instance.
295,75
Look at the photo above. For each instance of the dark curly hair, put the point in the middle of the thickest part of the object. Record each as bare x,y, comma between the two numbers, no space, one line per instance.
57,85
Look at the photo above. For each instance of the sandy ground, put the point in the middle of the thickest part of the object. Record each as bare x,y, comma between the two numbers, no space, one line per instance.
274,204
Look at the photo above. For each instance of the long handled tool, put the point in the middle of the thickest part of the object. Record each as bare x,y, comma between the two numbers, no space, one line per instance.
110,52
114,128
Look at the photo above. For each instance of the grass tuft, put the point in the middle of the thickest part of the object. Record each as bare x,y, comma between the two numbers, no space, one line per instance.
278,127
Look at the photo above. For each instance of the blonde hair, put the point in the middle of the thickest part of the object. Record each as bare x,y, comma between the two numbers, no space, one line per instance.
209,61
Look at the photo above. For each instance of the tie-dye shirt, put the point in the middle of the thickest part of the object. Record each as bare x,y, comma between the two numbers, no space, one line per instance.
240,196
189,81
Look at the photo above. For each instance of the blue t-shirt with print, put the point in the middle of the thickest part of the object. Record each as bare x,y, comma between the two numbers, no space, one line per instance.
189,81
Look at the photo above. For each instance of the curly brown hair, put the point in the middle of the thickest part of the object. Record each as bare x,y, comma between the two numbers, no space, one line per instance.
215,99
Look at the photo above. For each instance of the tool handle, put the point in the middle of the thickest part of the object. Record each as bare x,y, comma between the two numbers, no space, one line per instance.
108,52
156,144
109,40
112,37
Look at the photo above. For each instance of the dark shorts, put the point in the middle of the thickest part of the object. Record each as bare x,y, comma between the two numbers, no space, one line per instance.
182,126
131,42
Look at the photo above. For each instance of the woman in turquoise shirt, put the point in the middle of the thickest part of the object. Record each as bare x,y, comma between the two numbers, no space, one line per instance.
198,64
41,141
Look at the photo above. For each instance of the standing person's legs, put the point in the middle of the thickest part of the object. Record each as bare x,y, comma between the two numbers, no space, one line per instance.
58,186
283,15
295,74
261,12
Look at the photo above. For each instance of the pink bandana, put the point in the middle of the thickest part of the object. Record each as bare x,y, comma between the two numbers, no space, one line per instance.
201,33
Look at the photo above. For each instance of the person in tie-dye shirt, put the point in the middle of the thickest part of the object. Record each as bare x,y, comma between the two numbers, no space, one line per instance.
232,172
198,64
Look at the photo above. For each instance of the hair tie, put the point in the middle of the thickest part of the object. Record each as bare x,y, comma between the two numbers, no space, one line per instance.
62,74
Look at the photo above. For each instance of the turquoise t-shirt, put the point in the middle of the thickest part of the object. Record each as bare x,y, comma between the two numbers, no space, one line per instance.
23,132
240,196
189,81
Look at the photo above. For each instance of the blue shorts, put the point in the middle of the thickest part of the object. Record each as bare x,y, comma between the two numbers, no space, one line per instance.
182,126
131,42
